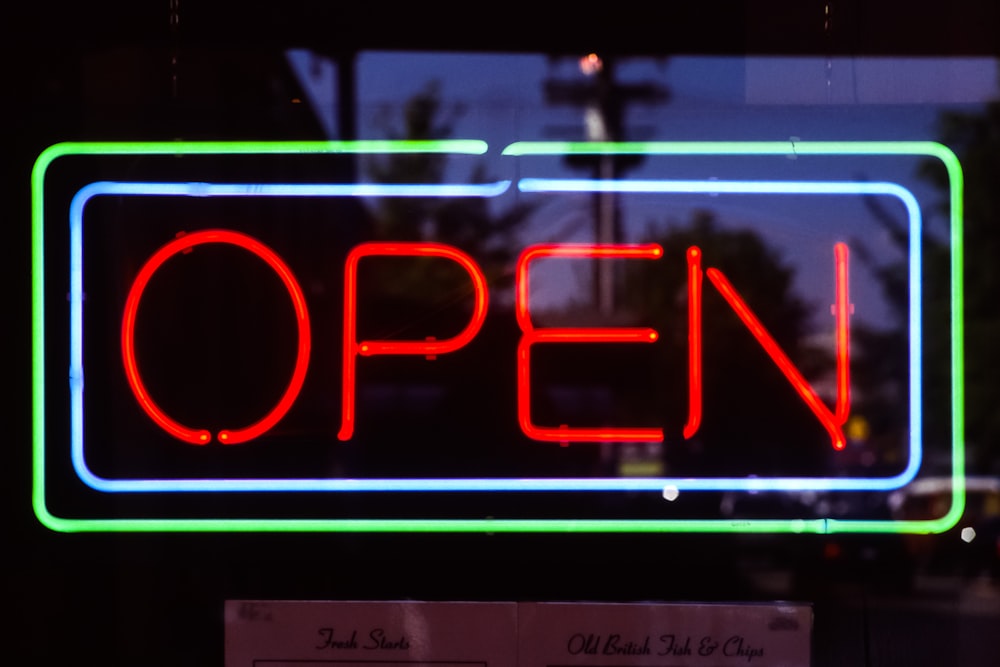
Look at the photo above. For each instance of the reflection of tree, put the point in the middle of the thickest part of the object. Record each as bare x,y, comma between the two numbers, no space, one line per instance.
467,223
754,422
975,138
881,361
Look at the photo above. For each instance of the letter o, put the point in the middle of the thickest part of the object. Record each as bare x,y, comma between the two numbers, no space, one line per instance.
576,644
174,428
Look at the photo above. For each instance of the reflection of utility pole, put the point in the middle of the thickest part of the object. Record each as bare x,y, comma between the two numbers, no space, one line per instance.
603,100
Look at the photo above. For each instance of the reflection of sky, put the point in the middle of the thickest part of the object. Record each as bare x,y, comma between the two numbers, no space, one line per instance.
711,99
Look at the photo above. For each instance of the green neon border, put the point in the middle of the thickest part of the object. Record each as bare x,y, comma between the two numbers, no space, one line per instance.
794,526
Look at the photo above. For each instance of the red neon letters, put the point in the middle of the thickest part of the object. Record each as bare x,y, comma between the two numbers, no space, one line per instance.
423,348
185,242
831,420
531,336
694,342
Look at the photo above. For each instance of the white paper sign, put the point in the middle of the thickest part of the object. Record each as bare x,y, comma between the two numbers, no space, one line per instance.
507,634
370,634
664,635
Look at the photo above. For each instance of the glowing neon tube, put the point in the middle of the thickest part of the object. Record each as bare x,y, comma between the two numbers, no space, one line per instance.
802,387
542,484
694,343
842,314
489,525
181,244
531,336
831,422
38,253
352,348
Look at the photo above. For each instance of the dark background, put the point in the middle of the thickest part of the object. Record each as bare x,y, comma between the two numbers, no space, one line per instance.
157,599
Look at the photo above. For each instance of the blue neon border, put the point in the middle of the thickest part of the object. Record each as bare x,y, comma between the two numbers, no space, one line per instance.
98,483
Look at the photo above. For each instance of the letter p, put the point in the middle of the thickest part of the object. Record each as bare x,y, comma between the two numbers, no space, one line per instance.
352,347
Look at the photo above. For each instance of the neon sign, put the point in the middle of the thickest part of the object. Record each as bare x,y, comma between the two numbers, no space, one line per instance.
357,349
530,336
